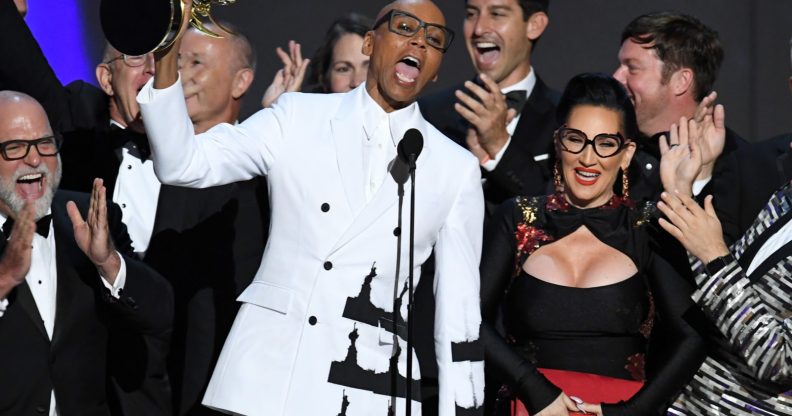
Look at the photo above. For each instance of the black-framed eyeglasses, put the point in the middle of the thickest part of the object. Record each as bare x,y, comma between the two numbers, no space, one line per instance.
604,144
405,24
19,149
131,60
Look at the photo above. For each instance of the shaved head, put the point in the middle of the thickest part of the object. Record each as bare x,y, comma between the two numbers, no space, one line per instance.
401,65
13,103
14,96
399,4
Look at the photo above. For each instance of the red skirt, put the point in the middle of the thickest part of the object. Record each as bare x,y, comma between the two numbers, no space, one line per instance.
591,388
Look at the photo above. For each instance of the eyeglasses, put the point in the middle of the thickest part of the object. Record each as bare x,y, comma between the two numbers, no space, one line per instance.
131,60
575,141
19,149
405,24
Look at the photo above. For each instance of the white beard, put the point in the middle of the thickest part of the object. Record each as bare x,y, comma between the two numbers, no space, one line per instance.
42,205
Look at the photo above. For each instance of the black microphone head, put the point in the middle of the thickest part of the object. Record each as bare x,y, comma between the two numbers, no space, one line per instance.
399,170
410,145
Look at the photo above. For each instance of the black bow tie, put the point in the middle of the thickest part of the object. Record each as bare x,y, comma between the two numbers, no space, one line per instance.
126,138
516,100
609,222
42,226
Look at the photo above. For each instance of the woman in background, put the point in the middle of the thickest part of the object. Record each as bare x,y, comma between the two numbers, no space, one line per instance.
337,66
579,288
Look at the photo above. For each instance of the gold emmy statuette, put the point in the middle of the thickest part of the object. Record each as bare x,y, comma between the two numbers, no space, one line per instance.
201,10
138,27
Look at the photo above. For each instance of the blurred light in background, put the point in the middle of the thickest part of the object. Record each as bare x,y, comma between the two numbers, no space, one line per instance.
59,28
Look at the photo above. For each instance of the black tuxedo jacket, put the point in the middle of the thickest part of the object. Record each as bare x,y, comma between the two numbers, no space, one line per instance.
518,172
207,242
753,174
75,363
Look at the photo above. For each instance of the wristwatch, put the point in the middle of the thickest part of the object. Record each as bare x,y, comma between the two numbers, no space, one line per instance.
718,264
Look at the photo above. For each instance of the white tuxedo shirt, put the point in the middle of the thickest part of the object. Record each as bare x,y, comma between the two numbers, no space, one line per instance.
313,334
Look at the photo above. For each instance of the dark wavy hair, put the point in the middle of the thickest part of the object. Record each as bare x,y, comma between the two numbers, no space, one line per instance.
318,80
680,41
529,7
599,90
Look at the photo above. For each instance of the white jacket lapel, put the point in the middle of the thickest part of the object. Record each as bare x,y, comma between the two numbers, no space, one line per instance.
347,135
347,138
387,198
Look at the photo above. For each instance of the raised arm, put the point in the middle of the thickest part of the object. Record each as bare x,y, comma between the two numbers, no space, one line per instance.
139,297
224,154
25,68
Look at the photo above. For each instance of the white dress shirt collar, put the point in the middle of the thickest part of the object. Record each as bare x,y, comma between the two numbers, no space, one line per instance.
528,83
399,120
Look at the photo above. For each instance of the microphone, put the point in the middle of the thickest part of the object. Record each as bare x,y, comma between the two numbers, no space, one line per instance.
399,171
408,150
410,147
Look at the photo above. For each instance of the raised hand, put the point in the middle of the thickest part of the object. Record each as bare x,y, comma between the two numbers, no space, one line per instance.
680,161
290,77
697,229
166,62
92,234
712,133
706,107
15,262
487,114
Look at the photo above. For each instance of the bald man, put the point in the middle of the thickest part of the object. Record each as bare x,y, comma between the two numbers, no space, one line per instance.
208,243
67,285
316,326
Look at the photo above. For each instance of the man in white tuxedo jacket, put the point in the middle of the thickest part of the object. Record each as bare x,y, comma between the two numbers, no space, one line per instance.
314,335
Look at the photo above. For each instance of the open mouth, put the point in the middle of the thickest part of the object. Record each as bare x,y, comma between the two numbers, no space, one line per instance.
407,69
488,52
586,176
30,186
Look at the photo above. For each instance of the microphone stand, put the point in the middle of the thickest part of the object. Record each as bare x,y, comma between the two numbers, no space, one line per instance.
410,289
396,303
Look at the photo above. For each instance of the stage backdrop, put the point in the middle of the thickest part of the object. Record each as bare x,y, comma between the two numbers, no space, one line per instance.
583,36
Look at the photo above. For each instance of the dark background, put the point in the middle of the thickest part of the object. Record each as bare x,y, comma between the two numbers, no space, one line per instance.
583,36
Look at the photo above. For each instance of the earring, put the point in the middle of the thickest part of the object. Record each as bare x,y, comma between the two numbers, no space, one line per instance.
557,183
625,184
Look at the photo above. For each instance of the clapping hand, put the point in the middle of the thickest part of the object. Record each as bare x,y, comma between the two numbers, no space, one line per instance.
15,262
710,124
290,77
488,116
680,161
697,229
92,234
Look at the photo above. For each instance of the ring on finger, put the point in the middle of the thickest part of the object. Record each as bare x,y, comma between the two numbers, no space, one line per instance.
671,146
579,404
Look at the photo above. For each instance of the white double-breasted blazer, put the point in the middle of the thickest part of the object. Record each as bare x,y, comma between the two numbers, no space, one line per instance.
314,335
